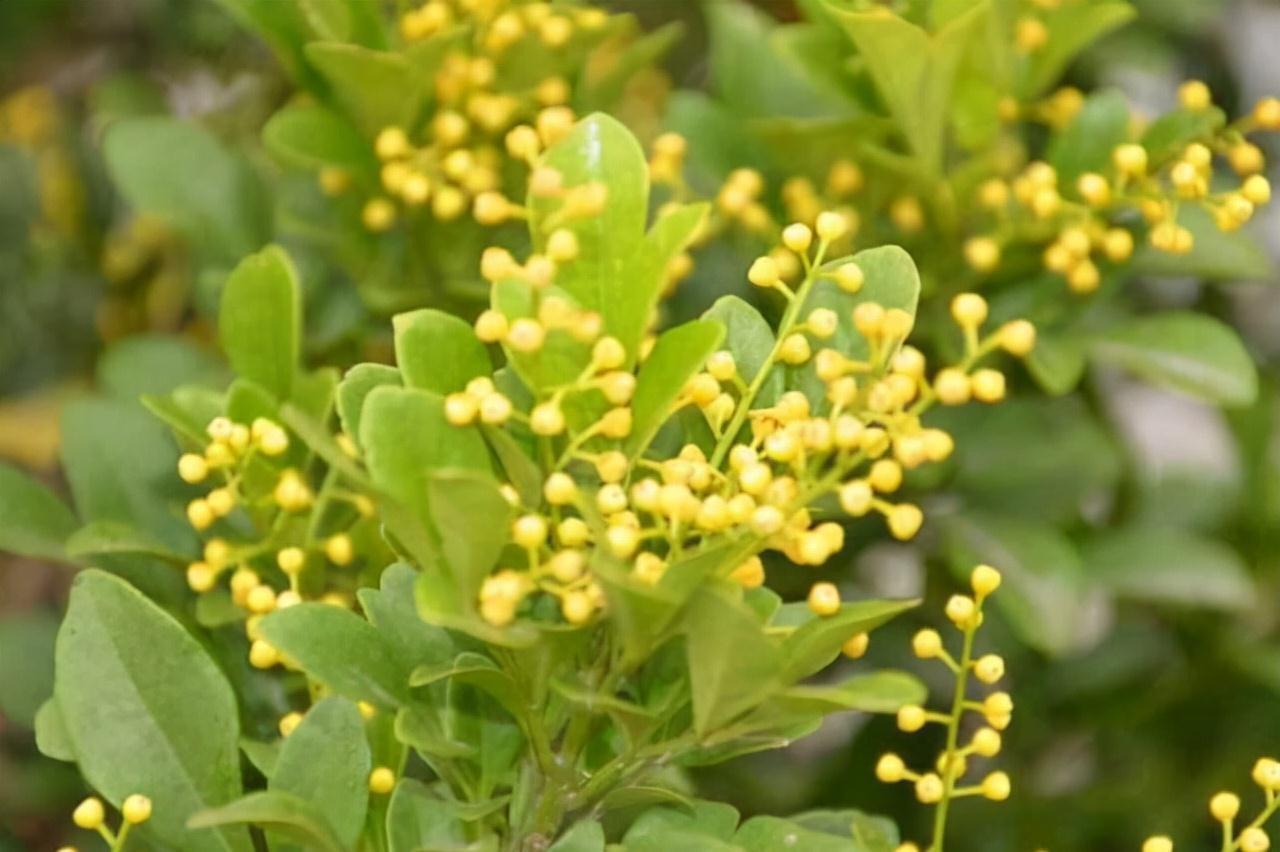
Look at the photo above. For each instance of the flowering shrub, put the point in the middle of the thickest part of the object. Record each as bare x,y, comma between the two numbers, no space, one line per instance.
510,591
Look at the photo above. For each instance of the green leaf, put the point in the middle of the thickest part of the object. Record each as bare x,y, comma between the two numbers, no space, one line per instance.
1184,351
1057,363
636,300
377,89
476,670
1172,132
311,136
391,609
358,382
284,813
873,833
756,73
326,763
703,827
156,364
417,819
1216,255
181,174
768,833
600,150
750,339
438,352
731,668
260,321
26,664
162,724
586,835
281,25
341,650
884,691
121,465
1159,565
99,537
1086,144
471,517
1044,596
1072,27
676,357
815,643
914,71
51,733
33,522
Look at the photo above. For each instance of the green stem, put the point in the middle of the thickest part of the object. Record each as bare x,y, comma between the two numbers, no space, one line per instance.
789,318
953,735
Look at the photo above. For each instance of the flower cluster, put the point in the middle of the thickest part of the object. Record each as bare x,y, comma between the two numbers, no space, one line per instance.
460,156
91,816
769,457
1225,808
251,465
938,787
1079,225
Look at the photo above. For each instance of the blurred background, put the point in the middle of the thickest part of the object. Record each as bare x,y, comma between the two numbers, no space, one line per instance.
1144,698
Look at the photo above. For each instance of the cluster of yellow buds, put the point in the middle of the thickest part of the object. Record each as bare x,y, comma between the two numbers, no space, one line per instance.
740,201
457,158
857,441
91,815
938,787
231,457
1225,808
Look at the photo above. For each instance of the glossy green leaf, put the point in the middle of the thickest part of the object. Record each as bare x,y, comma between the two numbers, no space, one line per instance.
914,71
260,321
326,762
283,813
676,357
1169,566
162,724
633,304
883,691
33,522
815,642
1184,351
391,609
475,670
471,517
341,650
417,819
438,352
600,150
184,176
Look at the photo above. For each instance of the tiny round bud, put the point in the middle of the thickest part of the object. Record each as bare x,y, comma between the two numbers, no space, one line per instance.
849,277
982,253
911,718
339,549
1194,95
1018,337
905,520
291,559
996,787
824,599
1224,806
989,668
961,610
926,644
1254,839
984,580
831,226
491,326
969,310
929,789
382,780
986,742
856,645
797,237
1157,844
750,574
764,272
529,531
89,814
1130,159
192,468
988,386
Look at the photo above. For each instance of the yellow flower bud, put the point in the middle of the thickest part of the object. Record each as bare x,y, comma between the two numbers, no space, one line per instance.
849,277
989,668
929,789
1224,806
911,718
764,272
996,787
984,580
339,549
1018,337
797,237
905,520
1130,159
382,780
1194,95
969,310
988,386
192,468
89,814
926,644
890,769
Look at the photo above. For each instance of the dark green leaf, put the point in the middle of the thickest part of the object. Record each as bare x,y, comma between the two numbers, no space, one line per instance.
677,356
816,642
417,819
1169,566
731,668
283,813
